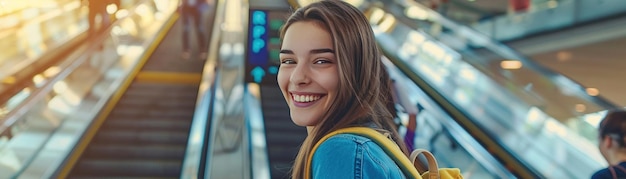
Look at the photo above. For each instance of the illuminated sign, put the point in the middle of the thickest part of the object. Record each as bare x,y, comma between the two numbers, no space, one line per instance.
263,45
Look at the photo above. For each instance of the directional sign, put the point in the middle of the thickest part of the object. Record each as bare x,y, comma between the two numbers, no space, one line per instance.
263,45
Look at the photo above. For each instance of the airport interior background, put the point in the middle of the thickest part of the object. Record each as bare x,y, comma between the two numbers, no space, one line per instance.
506,88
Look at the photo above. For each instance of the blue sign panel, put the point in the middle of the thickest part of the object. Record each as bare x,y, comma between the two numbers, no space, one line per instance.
264,45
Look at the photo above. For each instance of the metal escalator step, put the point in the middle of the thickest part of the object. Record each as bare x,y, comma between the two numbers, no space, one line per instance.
117,177
147,124
283,154
150,151
128,168
282,136
284,127
274,104
172,112
157,103
162,91
276,114
141,137
173,93
285,138
147,86
281,170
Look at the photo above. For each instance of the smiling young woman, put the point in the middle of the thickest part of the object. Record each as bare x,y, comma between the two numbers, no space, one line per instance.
332,77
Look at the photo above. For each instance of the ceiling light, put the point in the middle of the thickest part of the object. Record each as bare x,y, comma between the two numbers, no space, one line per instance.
563,56
416,12
581,108
511,64
593,91
52,71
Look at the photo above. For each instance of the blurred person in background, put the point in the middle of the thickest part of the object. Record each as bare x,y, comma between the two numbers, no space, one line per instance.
612,145
518,6
441,6
401,100
99,19
192,12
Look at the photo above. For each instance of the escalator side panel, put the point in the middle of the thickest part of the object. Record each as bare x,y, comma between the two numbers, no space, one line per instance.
146,133
282,135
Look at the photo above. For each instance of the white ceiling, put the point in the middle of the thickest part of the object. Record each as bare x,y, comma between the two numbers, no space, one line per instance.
599,65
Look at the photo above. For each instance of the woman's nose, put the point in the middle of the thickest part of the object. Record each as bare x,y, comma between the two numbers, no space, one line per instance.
300,75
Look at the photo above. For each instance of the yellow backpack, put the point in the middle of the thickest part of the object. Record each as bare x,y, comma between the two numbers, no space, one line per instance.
407,166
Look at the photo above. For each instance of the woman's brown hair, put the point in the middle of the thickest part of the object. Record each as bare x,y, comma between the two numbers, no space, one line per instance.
614,125
363,90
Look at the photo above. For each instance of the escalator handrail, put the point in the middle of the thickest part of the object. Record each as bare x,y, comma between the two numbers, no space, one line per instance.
58,44
460,135
198,151
460,115
67,67
259,164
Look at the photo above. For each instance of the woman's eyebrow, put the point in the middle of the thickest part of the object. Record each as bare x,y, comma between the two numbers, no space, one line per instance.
322,50
316,51
286,51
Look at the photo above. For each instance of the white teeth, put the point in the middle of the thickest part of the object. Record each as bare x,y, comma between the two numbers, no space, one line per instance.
305,98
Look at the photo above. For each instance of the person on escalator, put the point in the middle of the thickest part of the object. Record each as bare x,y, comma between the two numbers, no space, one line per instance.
192,12
401,99
98,10
612,145
332,77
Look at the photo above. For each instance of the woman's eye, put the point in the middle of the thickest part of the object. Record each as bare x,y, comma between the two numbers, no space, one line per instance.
322,61
287,61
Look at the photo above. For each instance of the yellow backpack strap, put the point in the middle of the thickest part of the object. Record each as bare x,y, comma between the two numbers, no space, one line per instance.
433,167
385,143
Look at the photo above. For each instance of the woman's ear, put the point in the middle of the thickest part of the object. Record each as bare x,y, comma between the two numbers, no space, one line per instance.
607,142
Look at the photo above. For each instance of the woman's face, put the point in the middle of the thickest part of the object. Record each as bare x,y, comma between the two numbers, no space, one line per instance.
308,75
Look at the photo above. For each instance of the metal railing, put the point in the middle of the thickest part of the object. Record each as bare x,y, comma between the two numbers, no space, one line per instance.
42,130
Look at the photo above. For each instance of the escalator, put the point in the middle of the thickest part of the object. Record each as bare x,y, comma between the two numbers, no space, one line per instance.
145,134
282,135
521,113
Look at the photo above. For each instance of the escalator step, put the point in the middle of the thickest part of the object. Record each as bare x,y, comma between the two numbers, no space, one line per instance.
137,137
286,139
171,113
283,154
128,168
150,151
148,124
275,104
277,114
283,136
281,170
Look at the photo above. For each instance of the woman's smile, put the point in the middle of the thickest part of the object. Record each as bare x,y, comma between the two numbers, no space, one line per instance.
305,100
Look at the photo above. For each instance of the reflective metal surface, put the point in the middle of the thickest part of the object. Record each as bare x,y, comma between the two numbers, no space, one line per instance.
39,132
532,112
228,150
437,132
548,16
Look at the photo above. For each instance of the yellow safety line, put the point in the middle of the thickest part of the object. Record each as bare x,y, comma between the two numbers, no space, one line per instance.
169,77
92,130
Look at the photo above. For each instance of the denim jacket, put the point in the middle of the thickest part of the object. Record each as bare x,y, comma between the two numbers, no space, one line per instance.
348,156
